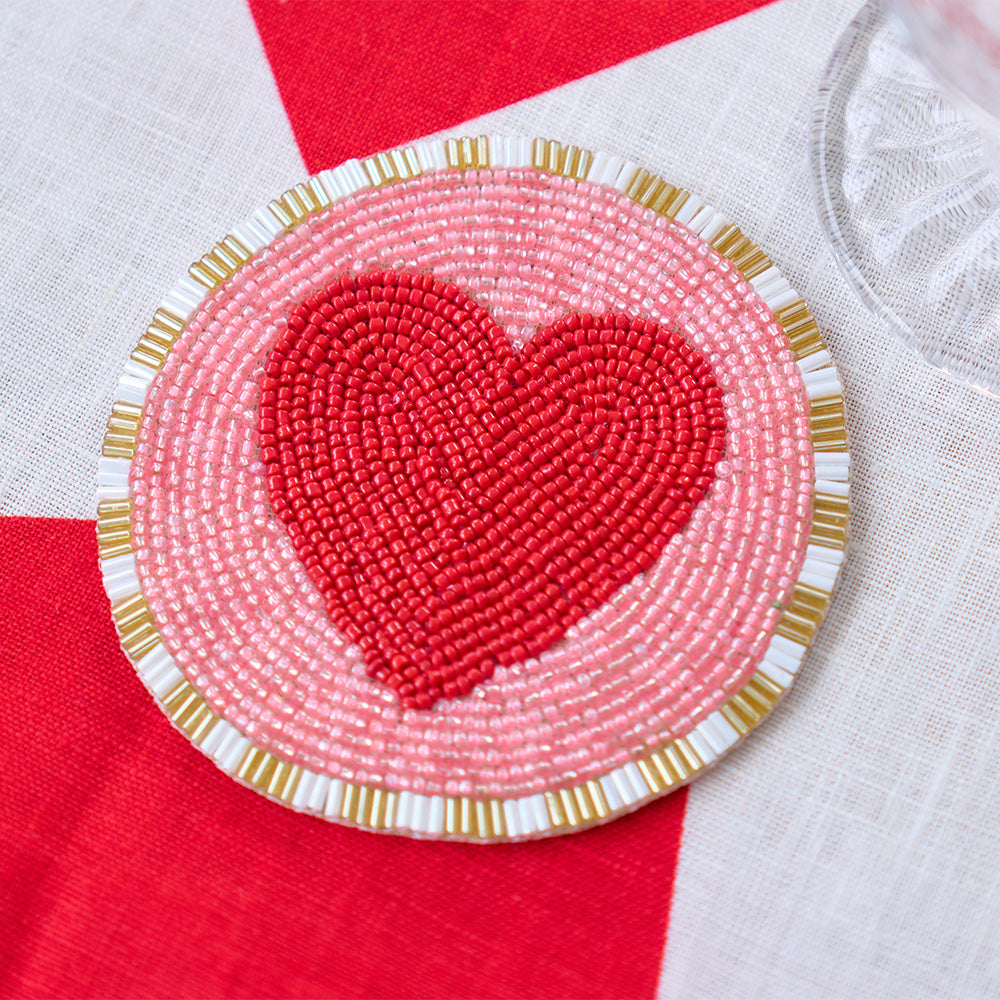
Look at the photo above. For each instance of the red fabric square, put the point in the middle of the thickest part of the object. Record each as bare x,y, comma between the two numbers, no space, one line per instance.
131,866
358,77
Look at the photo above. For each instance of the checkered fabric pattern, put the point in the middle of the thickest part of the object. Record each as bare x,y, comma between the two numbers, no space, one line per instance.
848,848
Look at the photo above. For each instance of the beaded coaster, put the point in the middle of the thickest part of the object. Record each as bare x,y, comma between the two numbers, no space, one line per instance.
482,489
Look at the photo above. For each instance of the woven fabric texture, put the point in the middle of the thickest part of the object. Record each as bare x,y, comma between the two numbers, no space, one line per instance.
848,848
131,867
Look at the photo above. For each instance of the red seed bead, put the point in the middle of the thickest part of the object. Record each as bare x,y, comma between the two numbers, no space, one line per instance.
460,506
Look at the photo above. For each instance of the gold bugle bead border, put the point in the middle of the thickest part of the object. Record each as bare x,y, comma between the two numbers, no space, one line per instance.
568,161
387,168
829,522
158,340
135,626
803,614
296,205
468,153
114,528
466,817
122,428
221,262
654,193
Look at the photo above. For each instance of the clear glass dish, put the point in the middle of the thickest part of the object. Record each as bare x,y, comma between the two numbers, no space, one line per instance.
908,197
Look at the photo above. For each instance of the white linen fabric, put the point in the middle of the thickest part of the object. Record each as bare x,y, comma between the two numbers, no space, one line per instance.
108,194
850,847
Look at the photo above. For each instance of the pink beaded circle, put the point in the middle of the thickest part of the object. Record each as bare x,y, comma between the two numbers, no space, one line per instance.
648,686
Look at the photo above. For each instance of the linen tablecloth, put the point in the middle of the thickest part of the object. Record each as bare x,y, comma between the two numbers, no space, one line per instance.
848,849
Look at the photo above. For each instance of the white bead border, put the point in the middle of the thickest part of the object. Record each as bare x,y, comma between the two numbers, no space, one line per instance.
460,817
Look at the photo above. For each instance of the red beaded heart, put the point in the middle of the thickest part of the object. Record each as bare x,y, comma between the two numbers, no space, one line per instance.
458,505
